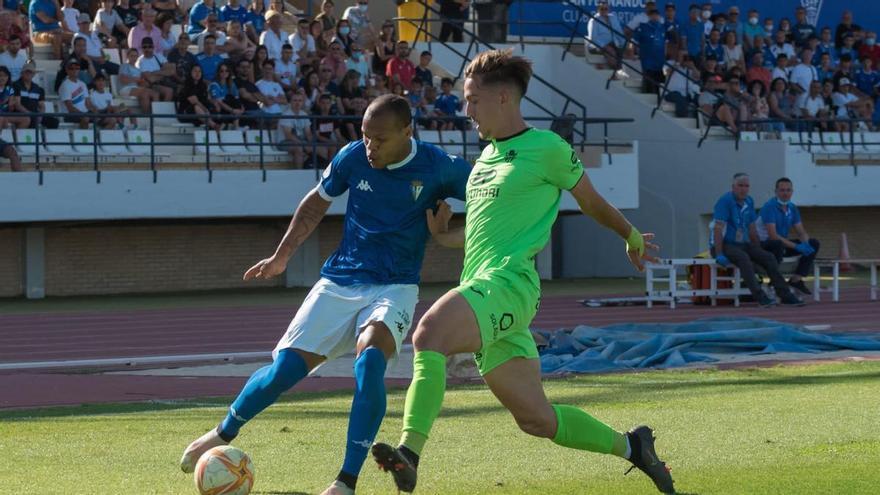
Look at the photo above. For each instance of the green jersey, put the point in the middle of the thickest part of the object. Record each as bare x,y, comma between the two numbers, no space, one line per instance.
513,195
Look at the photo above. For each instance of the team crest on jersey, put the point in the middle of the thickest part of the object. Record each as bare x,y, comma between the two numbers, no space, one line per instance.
416,187
510,155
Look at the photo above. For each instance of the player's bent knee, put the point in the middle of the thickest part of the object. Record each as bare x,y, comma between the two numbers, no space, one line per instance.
537,426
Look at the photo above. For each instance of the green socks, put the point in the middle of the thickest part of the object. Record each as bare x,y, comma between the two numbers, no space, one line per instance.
578,430
423,399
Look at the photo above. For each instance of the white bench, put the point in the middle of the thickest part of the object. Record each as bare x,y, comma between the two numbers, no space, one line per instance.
835,273
667,269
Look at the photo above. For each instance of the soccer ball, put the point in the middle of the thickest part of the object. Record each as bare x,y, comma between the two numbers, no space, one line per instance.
224,470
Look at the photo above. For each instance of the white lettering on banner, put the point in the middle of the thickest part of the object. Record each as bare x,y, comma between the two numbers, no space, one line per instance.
814,8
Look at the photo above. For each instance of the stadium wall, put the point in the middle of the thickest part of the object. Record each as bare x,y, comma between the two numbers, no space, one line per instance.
11,260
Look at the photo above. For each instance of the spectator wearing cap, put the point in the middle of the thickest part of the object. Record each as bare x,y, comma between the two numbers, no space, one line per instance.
94,47
651,38
147,27
156,69
752,29
757,71
846,27
74,93
870,48
400,68
273,38
234,11
45,28
182,59
14,58
198,14
209,60
30,98
303,43
802,30
849,105
804,73
604,35
358,63
734,24
86,69
693,36
780,218
735,241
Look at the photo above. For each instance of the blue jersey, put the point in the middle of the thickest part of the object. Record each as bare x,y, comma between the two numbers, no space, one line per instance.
784,220
385,229
736,217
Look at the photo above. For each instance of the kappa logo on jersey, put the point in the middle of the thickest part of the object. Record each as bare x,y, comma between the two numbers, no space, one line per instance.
478,178
400,327
416,186
574,161
364,186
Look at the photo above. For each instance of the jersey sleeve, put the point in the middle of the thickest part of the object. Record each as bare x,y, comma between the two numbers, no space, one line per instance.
795,215
334,182
563,167
455,177
720,212
767,214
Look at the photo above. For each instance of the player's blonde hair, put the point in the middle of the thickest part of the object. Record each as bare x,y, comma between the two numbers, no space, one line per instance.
501,67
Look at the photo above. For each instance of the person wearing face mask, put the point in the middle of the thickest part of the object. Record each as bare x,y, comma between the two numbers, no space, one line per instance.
358,63
752,29
803,29
343,36
706,16
780,217
769,30
870,49
359,22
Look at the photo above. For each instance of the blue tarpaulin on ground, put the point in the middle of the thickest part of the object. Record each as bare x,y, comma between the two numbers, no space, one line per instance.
586,349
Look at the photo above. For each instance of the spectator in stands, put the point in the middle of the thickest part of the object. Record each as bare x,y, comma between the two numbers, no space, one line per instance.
785,27
752,29
386,47
87,71
351,129
94,47
335,60
769,30
735,25
673,31
166,8
14,58
326,84
326,17
343,36
234,11
826,70
7,150
198,16
733,53
693,36
273,37
759,107
780,46
310,85
447,106
101,101
736,242
423,70
272,92
757,71
781,71
166,40
73,94
7,99
303,43
846,27
802,30
183,61
249,94
640,18
295,134
651,39
358,63
9,29
261,54
359,19
129,15
380,84
399,68
870,48
782,102
604,36
209,60
779,216
70,18
147,27
224,97
213,29
322,43
156,70
30,98
286,68
760,46
850,106
238,45
453,13
327,132
812,108
865,80
45,28
682,88
803,74
109,25
711,103
849,48
349,89
133,83
710,67
193,100
826,45
256,21
714,46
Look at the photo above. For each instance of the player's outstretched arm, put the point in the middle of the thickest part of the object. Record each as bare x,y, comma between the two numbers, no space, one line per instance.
593,204
438,224
308,215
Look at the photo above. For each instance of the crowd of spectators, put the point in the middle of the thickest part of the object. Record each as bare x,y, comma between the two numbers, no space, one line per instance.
751,73
231,66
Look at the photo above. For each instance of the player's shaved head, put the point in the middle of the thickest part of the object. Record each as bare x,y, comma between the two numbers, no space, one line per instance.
496,67
387,130
393,106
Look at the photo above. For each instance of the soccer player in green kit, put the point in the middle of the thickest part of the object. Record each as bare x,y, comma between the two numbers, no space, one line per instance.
513,195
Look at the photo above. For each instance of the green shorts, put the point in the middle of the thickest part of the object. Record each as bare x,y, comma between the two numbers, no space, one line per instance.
504,312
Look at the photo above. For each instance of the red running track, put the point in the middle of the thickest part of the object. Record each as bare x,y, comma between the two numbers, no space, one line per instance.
122,334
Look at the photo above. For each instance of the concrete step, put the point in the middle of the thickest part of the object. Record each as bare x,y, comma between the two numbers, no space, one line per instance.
687,123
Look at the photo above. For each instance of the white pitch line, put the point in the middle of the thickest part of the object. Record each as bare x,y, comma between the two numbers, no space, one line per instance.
134,361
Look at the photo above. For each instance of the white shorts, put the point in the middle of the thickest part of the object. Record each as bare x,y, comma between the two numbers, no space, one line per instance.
332,316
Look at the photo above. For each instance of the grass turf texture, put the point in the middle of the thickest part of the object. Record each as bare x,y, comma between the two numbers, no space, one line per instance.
788,429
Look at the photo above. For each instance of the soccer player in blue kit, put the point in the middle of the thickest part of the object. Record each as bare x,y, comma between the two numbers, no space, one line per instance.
369,286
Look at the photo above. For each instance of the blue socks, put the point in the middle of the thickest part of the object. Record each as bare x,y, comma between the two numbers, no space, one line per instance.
263,389
367,411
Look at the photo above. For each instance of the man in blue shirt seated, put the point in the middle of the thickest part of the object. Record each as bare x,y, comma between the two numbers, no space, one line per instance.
778,217
735,241
366,297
